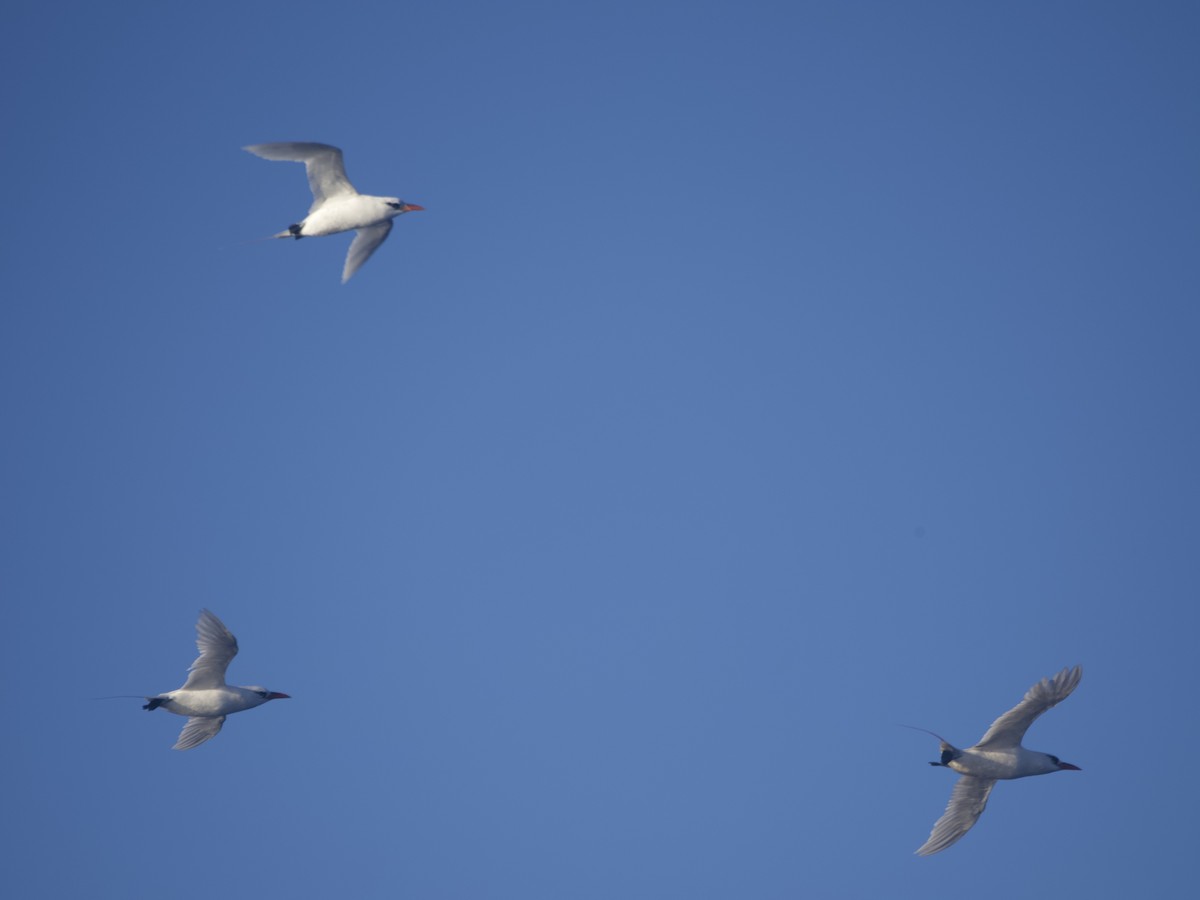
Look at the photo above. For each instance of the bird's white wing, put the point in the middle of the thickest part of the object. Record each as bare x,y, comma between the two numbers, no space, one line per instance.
198,730
322,163
217,647
1008,730
967,802
366,241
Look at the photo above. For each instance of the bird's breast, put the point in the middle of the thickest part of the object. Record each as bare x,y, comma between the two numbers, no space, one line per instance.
987,764
211,701
346,214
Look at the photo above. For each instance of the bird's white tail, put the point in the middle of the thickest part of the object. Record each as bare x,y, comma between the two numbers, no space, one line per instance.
269,237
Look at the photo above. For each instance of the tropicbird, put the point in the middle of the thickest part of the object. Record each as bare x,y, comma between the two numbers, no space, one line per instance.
336,205
205,698
998,755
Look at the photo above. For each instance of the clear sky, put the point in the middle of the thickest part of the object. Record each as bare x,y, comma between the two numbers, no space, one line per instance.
758,377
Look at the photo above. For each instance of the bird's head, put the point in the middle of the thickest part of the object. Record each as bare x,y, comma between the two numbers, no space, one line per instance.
1063,766
399,207
266,695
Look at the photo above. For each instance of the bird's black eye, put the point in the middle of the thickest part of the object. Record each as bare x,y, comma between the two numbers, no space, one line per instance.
263,694
394,205
1053,759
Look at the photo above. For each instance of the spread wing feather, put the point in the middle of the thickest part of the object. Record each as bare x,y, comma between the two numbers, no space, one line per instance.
217,647
322,163
967,802
1008,730
198,730
366,241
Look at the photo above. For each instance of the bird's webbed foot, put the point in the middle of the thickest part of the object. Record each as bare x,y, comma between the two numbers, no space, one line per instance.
155,703
295,230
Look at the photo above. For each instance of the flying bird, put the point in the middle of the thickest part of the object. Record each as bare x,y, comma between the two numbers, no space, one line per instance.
336,205
205,698
998,755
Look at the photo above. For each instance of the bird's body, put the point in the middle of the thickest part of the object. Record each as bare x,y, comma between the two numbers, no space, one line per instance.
205,698
336,205
221,701
1016,762
345,214
998,756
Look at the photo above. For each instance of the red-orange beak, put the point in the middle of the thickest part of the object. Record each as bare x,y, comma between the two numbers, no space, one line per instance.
274,695
412,207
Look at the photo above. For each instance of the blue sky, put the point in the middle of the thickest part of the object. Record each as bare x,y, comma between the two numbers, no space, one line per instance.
759,376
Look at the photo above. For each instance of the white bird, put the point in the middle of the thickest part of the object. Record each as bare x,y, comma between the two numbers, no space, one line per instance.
998,755
336,205
205,698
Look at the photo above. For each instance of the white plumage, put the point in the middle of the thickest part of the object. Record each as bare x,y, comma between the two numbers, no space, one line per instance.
205,698
998,755
336,205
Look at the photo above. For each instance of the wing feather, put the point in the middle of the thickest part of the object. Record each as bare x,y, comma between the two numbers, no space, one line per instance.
322,163
198,730
967,802
217,647
1010,728
366,241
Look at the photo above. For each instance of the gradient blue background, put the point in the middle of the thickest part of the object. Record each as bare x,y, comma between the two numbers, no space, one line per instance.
760,375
